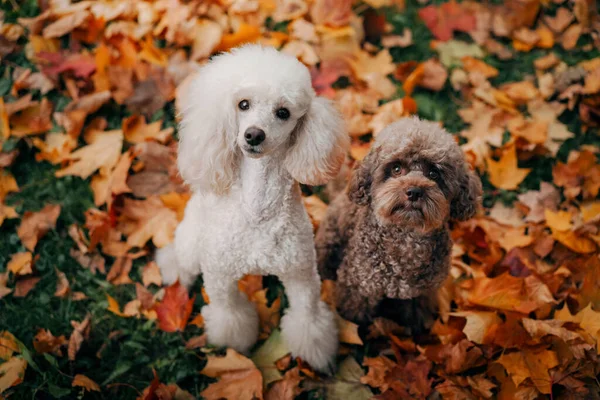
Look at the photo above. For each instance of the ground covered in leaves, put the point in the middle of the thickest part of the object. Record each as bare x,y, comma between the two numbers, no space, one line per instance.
88,190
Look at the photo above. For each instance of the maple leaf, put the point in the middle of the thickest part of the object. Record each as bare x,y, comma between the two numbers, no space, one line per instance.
246,33
478,324
538,201
335,13
268,355
12,373
108,184
379,368
103,151
442,21
148,219
505,173
24,286
81,331
20,263
35,225
151,274
286,388
530,364
175,308
8,345
86,383
119,272
510,293
238,377
66,24
45,342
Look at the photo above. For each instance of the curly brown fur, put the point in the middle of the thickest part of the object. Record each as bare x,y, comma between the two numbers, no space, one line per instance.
377,242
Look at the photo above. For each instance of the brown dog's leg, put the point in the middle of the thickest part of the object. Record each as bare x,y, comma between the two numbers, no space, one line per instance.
353,306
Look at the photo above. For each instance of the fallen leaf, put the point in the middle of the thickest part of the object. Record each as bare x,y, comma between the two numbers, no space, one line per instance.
45,342
63,288
66,24
245,34
12,373
449,17
348,332
148,219
530,364
478,324
20,263
86,383
240,384
35,225
267,355
287,388
505,173
103,151
81,331
25,285
196,342
175,308
547,198
8,184
151,274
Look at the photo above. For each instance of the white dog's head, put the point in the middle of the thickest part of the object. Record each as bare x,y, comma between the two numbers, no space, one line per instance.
253,102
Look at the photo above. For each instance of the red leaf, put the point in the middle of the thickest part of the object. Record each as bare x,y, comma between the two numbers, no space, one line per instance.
82,66
175,309
449,17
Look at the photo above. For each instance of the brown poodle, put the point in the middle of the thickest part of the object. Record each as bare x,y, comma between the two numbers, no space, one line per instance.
387,238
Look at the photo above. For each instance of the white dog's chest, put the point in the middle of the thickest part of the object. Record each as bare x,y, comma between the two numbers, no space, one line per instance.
258,228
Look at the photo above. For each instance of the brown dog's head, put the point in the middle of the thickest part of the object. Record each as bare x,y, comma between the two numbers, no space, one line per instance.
416,176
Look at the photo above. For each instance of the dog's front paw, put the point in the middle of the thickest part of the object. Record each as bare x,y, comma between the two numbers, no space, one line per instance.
235,327
312,336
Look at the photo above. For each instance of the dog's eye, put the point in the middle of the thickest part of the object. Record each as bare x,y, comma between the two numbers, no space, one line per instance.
244,105
434,174
396,169
282,113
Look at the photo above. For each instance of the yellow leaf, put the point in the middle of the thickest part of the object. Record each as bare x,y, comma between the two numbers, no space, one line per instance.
533,364
20,263
505,173
348,332
7,184
103,151
575,242
8,345
245,34
113,306
558,221
590,211
478,323
12,373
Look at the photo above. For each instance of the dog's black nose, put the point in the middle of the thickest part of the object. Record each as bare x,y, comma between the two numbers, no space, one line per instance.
414,193
254,136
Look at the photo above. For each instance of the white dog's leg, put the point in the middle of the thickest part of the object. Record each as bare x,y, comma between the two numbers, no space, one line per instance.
309,326
170,270
230,319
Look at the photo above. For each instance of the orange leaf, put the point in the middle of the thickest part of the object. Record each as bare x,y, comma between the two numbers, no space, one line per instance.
413,79
12,373
20,263
532,364
246,34
505,173
113,306
348,332
86,383
472,64
36,224
175,308
448,17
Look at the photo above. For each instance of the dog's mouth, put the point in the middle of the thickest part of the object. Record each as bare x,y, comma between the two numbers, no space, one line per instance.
409,208
252,151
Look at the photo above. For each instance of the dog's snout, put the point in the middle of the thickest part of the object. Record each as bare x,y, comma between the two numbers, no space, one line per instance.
414,193
254,136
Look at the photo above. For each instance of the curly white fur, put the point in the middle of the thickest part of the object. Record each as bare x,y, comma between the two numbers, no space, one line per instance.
246,214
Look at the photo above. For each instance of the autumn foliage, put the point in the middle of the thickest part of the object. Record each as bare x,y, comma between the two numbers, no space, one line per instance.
89,188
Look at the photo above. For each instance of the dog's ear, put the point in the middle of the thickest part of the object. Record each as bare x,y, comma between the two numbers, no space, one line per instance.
468,196
208,158
319,144
359,187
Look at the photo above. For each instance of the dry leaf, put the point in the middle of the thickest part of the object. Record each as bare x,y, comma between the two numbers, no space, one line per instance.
45,342
35,225
505,173
530,364
86,383
20,263
175,308
151,274
102,152
12,373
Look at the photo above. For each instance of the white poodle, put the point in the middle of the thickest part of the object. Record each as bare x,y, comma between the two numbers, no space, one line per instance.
252,128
